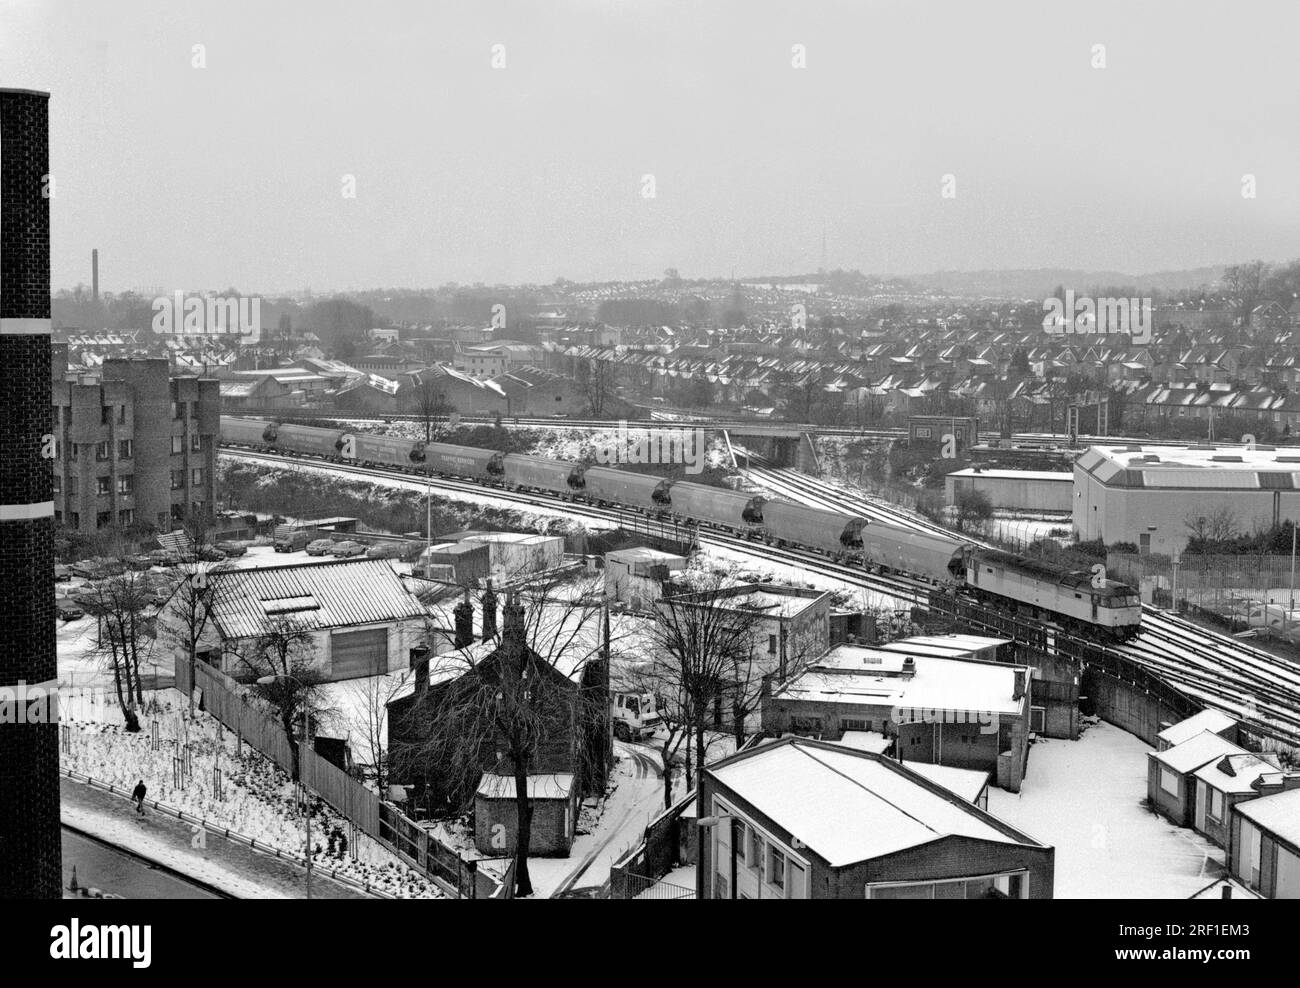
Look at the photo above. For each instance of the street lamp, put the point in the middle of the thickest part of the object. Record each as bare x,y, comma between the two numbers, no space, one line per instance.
267,681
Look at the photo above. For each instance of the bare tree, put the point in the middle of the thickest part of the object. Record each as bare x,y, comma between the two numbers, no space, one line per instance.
520,706
193,597
596,377
374,694
120,604
282,661
431,402
701,641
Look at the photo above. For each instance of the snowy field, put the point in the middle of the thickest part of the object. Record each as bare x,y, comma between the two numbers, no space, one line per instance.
1086,798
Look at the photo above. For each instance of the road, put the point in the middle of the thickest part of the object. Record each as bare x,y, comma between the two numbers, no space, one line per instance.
110,869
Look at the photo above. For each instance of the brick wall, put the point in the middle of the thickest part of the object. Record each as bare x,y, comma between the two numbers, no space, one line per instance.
30,859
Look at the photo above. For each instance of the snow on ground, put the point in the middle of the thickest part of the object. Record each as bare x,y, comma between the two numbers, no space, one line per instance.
259,800
1086,798
791,573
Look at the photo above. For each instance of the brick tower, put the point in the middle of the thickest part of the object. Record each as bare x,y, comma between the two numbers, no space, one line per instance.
30,859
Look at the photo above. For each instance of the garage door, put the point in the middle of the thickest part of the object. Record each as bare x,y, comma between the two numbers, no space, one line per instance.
359,653
1288,875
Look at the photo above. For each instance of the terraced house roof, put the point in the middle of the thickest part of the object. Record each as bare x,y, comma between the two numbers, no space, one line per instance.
325,595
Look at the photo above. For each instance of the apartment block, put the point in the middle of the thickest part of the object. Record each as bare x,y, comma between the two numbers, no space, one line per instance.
135,446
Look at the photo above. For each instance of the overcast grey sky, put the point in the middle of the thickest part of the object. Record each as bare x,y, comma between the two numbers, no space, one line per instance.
232,174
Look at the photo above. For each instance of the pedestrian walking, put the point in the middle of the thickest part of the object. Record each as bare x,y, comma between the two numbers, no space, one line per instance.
138,795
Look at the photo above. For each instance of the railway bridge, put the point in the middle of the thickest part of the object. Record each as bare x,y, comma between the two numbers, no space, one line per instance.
769,445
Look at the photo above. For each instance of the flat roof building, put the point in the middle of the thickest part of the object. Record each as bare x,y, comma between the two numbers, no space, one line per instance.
1144,494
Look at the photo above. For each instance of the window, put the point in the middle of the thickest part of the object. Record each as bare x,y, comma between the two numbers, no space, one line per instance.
105,414
178,512
178,480
178,444
74,519
775,867
753,849
125,517
103,450
126,484
74,486
103,519
1168,781
176,410
125,447
771,644
58,517
1216,805
103,485
57,484
196,442
196,476
121,415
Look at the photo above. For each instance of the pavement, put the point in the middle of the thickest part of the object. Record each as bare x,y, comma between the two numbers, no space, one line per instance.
209,858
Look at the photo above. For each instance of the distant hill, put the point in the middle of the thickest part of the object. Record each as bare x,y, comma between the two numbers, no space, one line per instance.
1040,282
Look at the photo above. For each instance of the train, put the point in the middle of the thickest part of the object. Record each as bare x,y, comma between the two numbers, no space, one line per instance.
1076,600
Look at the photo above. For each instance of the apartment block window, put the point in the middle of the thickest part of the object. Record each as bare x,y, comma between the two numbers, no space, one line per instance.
753,849
126,517
103,485
178,444
178,479
121,415
103,450
58,484
58,517
126,484
771,644
74,486
125,449
196,476
105,414
74,519
176,410
103,519
178,512
162,519
196,442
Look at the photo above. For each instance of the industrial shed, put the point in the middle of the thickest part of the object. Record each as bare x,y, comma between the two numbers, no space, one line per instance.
1143,494
1020,490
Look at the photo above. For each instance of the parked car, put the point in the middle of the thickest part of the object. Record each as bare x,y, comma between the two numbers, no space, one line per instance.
88,569
164,557
68,610
233,548
348,548
321,547
138,563
210,554
62,573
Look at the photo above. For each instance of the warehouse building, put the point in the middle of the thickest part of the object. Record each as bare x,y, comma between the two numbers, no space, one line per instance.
1146,494
1021,490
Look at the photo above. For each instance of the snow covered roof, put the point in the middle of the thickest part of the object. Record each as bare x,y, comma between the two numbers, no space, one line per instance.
967,783
850,806
322,595
556,785
1279,814
1047,475
865,741
1234,773
1214,721
878,677
1195,752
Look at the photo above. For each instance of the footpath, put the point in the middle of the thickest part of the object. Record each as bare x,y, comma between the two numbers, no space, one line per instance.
208,857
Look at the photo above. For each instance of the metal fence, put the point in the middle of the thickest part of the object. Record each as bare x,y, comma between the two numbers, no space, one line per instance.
645,887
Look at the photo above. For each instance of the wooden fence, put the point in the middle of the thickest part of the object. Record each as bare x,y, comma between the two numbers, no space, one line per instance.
248,717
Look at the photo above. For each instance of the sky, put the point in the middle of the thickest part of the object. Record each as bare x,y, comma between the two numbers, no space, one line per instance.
233,173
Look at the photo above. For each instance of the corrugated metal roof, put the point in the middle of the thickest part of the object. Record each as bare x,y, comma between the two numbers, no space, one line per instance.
344,594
